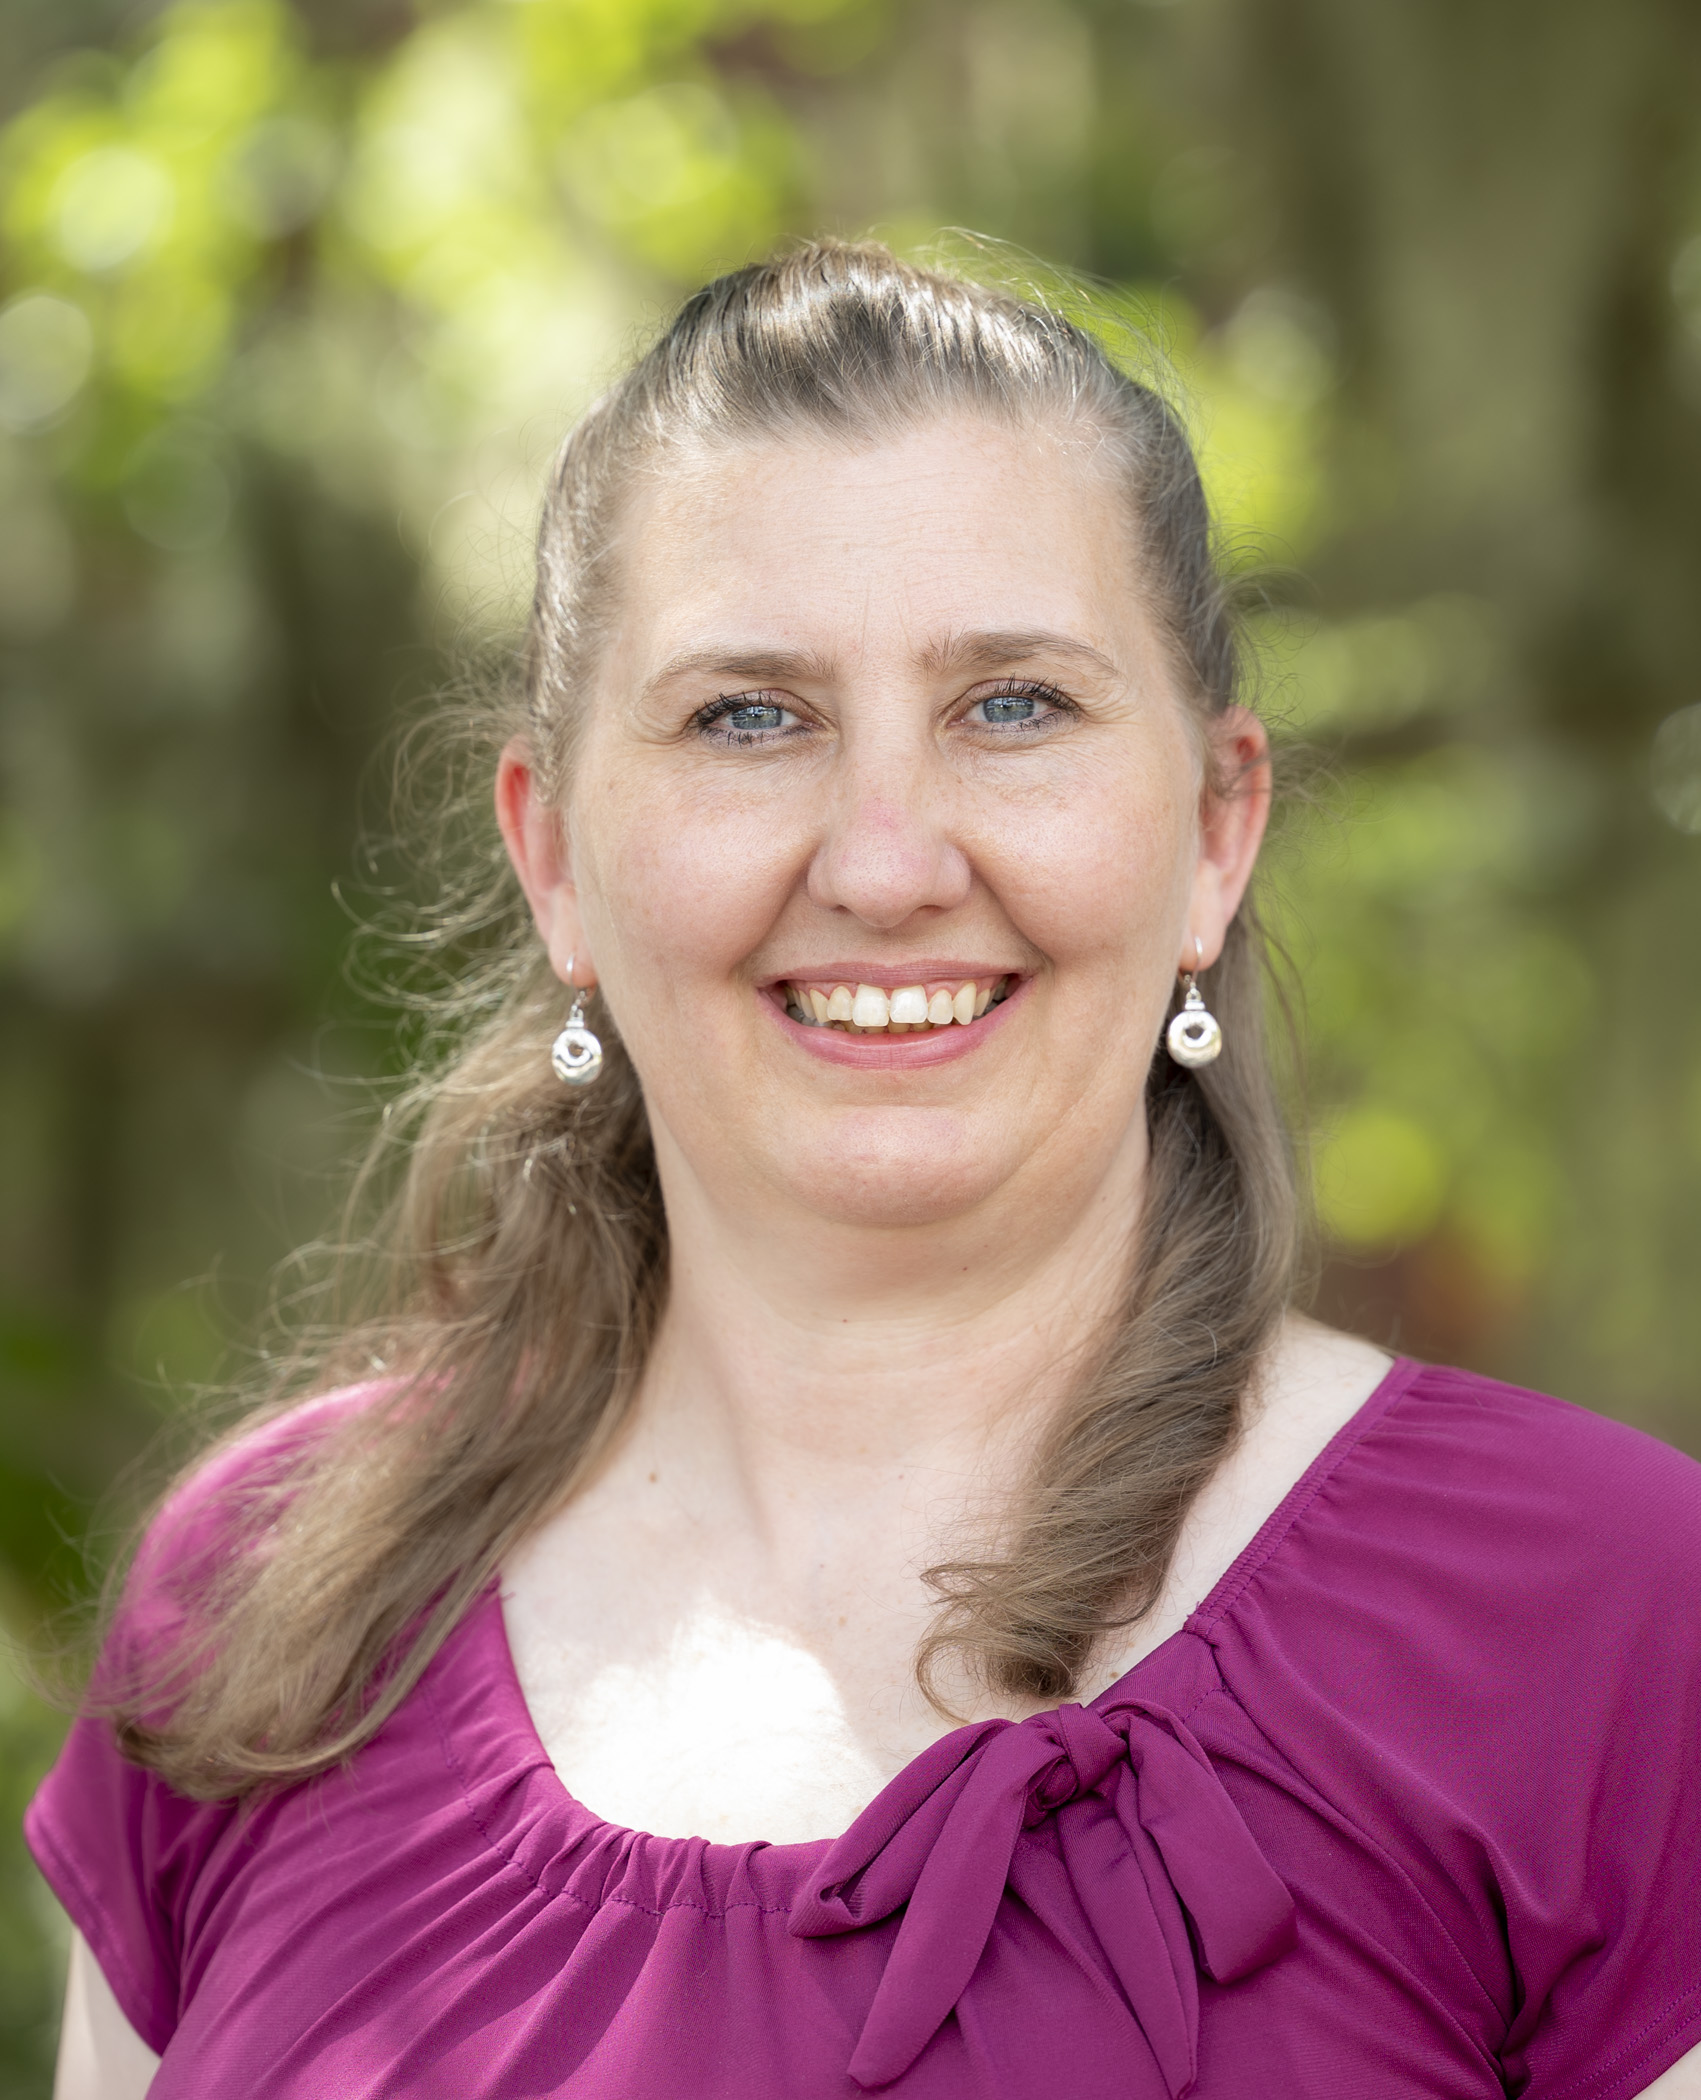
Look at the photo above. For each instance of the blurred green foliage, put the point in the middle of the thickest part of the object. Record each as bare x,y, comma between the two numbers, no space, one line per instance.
295,300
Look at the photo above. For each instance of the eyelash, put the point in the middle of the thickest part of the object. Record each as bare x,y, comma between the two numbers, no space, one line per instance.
725,704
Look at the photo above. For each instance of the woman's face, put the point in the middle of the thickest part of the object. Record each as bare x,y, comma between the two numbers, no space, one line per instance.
888,728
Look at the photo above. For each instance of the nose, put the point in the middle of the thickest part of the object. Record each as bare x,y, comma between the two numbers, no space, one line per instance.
888,851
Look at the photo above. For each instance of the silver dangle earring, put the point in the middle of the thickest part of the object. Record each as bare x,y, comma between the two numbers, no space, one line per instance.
1195,1037
576,1054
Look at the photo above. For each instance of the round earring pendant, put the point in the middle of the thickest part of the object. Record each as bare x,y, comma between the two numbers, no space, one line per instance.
1194,1038
576,1056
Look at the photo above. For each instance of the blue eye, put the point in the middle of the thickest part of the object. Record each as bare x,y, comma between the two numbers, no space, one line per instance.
757,716
1035,707
746,718
1008,707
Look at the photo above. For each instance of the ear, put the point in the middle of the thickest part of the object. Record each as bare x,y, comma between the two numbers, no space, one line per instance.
534,830
1231,830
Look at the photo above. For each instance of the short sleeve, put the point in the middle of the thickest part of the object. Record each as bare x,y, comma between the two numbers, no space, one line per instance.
126,1854
121,1851
1605,1920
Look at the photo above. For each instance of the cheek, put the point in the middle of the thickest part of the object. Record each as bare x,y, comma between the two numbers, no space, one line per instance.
679,885
1102,870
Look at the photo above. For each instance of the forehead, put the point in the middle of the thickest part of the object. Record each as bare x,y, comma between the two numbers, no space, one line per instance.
957,524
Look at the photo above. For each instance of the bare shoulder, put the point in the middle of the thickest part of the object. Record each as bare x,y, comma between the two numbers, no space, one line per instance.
1315,1381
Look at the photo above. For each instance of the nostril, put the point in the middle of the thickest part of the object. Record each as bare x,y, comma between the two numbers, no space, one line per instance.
883,864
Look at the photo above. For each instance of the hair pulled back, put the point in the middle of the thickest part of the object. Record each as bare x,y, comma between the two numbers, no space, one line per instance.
524,1258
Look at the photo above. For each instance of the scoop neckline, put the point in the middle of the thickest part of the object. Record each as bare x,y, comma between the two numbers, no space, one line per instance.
587,1825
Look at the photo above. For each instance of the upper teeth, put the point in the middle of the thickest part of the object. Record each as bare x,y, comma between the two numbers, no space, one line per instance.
870,1006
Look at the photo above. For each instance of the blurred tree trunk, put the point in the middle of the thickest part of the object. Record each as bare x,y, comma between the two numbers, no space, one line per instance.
1489,200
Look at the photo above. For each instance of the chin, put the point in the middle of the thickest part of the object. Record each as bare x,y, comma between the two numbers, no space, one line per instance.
899,1182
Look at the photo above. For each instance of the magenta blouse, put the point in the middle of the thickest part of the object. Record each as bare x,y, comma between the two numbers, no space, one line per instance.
1409,1810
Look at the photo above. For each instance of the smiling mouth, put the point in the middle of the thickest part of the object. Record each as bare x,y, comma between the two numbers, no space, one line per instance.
906,1009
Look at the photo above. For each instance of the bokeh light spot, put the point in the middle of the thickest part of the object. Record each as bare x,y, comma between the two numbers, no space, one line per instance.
1381,1181
110,206
1676,769
46,350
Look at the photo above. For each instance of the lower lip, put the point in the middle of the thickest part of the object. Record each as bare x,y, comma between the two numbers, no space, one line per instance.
899,1053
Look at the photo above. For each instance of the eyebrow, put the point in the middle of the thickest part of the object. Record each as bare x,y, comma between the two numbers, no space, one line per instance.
982,650
991,649
737,663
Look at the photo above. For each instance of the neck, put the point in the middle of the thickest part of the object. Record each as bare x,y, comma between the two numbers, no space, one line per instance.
802,1364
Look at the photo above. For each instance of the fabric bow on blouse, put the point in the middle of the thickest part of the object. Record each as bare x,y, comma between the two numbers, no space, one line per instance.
1157,1864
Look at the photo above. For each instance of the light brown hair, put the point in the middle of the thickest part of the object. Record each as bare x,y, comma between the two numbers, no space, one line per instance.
524,1258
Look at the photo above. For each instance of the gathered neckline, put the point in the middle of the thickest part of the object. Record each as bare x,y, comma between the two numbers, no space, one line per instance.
586,1827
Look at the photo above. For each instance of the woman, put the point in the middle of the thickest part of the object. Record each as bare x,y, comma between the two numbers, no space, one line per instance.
847,1427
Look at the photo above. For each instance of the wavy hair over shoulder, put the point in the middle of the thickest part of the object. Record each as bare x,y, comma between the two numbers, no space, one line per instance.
526,1253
